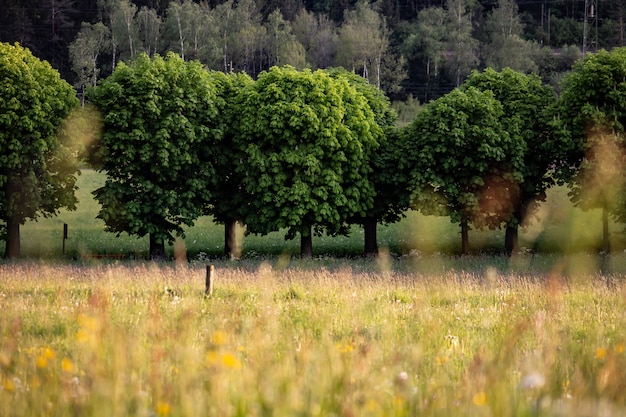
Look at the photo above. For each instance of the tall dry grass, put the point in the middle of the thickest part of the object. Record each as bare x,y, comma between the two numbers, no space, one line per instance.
142,340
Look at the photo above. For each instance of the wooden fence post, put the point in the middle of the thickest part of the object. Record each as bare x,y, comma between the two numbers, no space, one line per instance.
210,279
64,236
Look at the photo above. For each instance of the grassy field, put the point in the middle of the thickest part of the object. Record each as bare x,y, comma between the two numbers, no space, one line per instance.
558,228
349,338
415,332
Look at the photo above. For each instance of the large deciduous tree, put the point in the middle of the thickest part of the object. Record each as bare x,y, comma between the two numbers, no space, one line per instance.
593,111
389,175
308,139
229,201
37,169
160,127
529,112
465,163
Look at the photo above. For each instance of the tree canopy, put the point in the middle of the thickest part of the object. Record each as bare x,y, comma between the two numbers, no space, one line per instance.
529,112
465,163
308,138
160,126
37,166
593,112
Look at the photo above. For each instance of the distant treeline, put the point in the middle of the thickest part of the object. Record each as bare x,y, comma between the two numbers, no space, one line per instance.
422,48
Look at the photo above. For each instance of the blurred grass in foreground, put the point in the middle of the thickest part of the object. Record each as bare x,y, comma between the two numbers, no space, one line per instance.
140,339
558,228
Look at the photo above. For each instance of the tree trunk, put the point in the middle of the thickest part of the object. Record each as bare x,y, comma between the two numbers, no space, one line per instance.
511,239
306,245
157,248
13,245
464,237
231,248
606,243
371,243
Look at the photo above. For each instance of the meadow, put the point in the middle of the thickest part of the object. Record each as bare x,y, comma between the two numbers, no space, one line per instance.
557,228
418,331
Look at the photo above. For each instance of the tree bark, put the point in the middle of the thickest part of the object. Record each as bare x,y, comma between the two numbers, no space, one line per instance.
231,248
371,243
511,239
157,249
13,243
464,237
306,245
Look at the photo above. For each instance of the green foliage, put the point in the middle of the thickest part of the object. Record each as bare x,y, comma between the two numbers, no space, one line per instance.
308,138
161,125
529,109
465,164
593,112
37,167
389,182
229,199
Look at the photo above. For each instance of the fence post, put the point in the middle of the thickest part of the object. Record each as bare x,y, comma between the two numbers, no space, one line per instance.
210,279
64,236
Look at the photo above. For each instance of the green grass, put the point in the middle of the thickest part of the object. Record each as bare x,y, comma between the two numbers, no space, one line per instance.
558,228
140,339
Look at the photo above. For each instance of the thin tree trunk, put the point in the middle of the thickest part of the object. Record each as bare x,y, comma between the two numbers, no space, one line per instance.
371,243
157,248
464,237
231,248
606,243
306,245
511,239
13,244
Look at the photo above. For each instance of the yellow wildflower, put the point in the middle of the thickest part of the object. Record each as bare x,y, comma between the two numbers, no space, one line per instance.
163,408
41,362
230,361
600,353
48,353
8,385
219,338
480,399
347,348
67,365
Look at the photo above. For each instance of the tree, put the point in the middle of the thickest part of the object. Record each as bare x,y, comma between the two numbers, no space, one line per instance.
149,30
229,202
464,162
363,41
307,138
426,43
37,168
190,31
283,48
318,35
505,46
161,123
90,43
529,110
593,112
462,56
387,176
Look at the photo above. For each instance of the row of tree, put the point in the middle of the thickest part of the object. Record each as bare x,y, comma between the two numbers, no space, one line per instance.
419,47
308,151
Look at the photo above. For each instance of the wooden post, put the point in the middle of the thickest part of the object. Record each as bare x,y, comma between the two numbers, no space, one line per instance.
64,236
210,279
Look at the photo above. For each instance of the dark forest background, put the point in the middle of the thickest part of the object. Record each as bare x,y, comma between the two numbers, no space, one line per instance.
412,49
